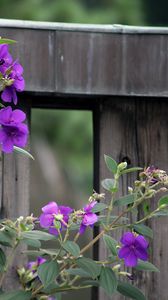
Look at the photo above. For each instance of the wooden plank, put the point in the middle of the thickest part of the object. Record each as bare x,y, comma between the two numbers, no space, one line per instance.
15,196
35,51
137,131
73,60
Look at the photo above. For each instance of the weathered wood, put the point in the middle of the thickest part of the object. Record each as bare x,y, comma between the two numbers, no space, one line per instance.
137,131
91,60
15,196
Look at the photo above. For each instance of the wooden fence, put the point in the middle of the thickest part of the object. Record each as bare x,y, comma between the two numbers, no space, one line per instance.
120,73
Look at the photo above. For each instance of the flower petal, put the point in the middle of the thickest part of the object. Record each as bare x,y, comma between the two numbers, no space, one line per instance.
18,116
88,207
53,231
50,208
140,241
46,220
124,252
141,253
7,94
131,260
5,115
89,219
128,238
82,229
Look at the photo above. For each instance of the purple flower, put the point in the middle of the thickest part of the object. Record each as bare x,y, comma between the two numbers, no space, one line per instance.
12,132
5,57
88,217
13,75
33,265
134,247
54,213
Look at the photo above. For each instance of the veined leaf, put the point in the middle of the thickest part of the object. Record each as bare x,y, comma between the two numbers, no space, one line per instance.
128,199
108,280
163,201
19,295
109,185
23,151
72,248
146,266
89,266
111,164
144,230
99,207
32,243
130,291
48,272
37,235
78,271
6,41
110,244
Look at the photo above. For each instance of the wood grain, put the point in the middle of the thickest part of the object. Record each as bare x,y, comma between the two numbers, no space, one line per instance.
137,131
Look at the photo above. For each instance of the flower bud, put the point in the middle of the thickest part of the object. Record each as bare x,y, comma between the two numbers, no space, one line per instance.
122,166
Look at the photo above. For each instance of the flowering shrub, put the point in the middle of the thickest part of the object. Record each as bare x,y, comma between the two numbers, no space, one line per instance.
66,267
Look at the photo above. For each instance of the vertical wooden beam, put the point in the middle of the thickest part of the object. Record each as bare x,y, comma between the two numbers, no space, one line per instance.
137,131
15,195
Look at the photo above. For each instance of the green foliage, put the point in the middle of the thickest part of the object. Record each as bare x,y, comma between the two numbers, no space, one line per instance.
144,230
110,244
23,152
146,266
109,185
128,199
19,295
37,235
163,201
89,266
108,280
48,272
72,248
130,291
99,207
111,164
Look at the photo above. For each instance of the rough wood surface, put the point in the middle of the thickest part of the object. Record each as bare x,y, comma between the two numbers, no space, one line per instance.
15,197
91,60
137,131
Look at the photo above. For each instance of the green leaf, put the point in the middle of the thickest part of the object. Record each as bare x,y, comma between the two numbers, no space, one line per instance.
19,295
110,244
48,272
33,252
78,271
146,266
163,201
6,41
2,260
37,235
144,230
32,243
90,282
108,280
130,291
109,185
5,238
23,151
99,207
130,170
128,199
111,164
72,248
89,266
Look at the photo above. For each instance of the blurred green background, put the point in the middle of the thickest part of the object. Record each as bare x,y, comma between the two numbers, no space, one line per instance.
61,140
